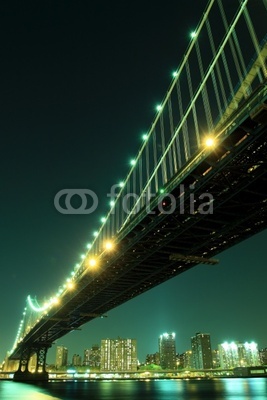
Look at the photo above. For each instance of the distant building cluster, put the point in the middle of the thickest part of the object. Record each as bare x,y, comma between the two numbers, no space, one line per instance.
113,355
121,355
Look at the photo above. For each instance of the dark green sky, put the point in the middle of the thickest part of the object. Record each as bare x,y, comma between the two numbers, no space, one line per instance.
79,85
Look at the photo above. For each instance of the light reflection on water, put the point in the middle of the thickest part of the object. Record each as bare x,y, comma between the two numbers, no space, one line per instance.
255,388
221,389
22,391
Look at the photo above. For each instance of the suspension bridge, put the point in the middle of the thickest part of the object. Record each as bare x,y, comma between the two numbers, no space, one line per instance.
196,187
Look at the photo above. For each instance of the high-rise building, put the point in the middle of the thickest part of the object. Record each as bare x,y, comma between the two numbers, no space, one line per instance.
92,356
263,356
86,356
216,359
118,355
76,360
61,356
201,351
236,354
185,360
167,351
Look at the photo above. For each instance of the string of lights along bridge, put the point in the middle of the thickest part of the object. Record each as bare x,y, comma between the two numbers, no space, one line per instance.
203,155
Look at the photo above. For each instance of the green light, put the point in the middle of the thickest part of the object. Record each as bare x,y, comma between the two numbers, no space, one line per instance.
35,306
121,184
161,190
95,233
111,203
159,107
193,34
174,74
82,255
88,247
145,136
133,162
103,219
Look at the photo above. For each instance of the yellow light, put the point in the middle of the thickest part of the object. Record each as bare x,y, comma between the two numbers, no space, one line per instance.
109,245
70,285
210,142
92,262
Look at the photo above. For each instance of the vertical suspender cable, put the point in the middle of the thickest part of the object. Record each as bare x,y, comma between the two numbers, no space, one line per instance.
204,92
213,76
173,167
194,111
155,161
232,47
163,147
254,40
186,153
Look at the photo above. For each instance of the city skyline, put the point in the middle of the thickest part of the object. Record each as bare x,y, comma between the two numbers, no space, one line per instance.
121,354
75,102
82,351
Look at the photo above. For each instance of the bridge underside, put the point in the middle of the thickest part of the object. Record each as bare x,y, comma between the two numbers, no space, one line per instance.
234,173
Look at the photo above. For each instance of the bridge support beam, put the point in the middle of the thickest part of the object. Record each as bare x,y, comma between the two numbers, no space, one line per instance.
37,372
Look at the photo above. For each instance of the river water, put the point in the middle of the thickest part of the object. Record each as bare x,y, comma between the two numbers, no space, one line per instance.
230,389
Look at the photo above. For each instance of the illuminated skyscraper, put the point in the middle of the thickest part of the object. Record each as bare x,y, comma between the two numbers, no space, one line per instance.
61,356
201,351
118,355
236,354
92,356
167,351
263,356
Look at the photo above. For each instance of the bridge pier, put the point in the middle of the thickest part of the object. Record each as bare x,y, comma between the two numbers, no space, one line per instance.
23,374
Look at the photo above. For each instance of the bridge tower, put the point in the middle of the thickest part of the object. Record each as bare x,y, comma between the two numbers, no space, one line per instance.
37,372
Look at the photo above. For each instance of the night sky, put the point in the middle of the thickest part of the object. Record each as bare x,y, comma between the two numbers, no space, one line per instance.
79,85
